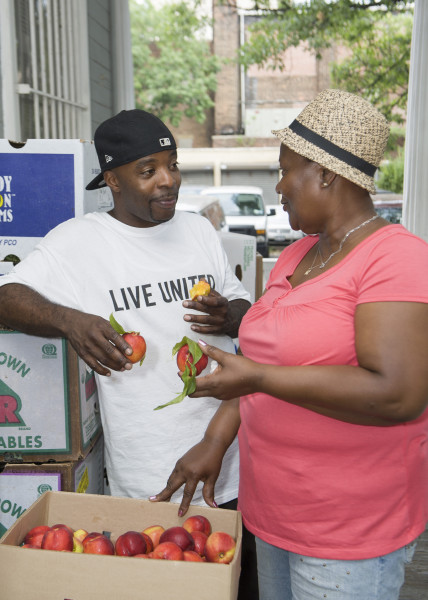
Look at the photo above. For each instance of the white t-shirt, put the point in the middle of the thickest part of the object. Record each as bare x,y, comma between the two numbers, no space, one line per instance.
99,265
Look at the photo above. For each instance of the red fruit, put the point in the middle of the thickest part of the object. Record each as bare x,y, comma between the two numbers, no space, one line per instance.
154,532
200,540
58,538
138,345
35,535
149,543
179,536
167,551
184,357
130,543
97,543
192,556
30,546
220,547
197,523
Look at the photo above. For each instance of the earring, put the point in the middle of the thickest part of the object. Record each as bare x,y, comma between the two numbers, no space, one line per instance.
324,184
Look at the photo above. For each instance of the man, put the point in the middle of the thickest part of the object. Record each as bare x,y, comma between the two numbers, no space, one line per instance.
138,262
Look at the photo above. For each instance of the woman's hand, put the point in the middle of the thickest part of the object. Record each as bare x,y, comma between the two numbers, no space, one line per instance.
234,376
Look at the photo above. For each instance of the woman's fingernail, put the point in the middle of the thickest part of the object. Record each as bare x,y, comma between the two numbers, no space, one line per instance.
180,513
202,343
215,504
152,498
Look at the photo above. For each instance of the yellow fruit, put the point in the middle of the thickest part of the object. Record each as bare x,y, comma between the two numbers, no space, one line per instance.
202,288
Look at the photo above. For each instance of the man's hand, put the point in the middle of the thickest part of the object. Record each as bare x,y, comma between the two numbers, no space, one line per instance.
203,461
219,315
93,338
97,343
200,463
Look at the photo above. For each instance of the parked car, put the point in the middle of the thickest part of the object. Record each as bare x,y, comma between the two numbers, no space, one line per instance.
207,206
279,229
245,211
389,205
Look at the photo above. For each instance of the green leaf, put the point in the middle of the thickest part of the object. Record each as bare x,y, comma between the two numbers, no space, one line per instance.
189,387
116,325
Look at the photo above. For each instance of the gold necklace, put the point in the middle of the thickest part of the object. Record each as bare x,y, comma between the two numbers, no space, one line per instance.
318,253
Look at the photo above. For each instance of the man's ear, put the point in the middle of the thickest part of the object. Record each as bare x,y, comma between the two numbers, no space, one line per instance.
111,181
327,177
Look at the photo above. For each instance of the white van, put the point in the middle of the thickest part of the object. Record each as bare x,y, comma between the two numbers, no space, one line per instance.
245,211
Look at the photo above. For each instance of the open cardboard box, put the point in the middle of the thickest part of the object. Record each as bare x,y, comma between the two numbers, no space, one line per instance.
26,573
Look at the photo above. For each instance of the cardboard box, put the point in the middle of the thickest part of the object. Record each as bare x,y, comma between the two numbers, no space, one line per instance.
42,184
65,575
21,485
48,400
241,252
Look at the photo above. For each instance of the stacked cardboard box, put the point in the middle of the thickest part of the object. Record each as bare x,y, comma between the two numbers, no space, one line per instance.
50,426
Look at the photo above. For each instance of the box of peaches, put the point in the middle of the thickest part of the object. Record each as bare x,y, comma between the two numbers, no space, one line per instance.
70,546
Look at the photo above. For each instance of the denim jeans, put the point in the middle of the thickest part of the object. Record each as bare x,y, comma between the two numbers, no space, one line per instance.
284,575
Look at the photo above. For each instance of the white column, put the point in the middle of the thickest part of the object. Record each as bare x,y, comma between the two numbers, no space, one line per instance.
123,71
416,151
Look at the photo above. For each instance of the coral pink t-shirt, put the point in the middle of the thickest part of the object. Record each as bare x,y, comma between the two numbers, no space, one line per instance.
309,483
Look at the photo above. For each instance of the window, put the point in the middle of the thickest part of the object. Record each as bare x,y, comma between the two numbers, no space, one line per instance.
49,96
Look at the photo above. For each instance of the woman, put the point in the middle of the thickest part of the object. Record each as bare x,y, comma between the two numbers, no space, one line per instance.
333,379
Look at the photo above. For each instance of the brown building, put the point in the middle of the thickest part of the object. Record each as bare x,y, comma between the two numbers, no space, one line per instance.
248,105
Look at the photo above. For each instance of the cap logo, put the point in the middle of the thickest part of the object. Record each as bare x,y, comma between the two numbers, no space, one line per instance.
108,158
165,142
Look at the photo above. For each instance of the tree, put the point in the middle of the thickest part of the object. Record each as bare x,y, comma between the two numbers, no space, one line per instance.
376,32
174,68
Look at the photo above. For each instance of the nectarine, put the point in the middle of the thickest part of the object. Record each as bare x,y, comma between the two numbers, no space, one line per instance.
167,551
130,543
179,536
220,547
97,543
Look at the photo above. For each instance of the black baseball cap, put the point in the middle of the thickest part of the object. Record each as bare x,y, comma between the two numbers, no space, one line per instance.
128,136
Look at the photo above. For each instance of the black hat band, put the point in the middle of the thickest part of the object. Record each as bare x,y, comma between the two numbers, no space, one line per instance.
347,157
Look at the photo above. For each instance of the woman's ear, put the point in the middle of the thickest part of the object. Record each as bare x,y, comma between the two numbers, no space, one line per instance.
111,181
327,177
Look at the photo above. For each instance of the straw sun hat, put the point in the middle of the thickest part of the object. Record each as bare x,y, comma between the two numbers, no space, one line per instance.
341,132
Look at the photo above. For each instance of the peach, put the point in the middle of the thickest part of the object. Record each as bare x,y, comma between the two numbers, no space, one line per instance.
149,542
154,532
220,547
80,534
185,358
179,536
130,543
167,551
200,540
192,556
35,535
138,345
77,545
58,538
197,523
202,288
97,543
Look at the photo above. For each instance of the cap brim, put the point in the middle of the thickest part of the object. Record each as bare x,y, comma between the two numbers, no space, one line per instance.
96,183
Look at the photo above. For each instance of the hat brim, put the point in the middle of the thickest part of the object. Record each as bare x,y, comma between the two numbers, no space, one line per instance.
97,183
312,152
